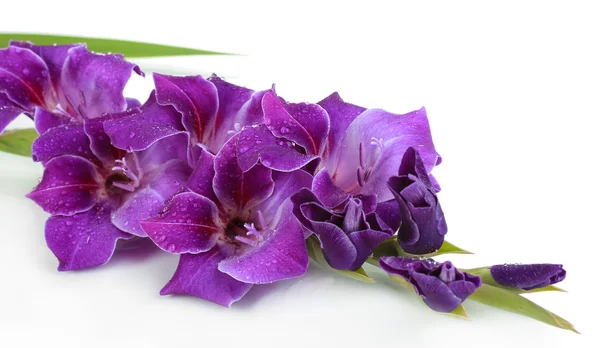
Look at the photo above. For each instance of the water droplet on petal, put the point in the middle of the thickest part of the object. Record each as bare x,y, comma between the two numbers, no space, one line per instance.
284,130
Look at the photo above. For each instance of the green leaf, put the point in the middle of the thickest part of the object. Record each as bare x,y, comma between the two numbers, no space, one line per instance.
390,247
18,141
449,248
486,278
460,312
315,253
130,49
512,302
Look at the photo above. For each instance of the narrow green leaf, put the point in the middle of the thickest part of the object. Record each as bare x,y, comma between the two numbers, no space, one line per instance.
315,253
18,141
486,278
512,302
449,248
130,49
460,312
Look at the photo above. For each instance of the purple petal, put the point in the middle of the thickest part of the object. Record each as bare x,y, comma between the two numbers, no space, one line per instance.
240,190
325,189
281,256
258,144
8,111
341,114
187,225
100,144
192,96
54,56
141,128
68,139
528,277
389,213
83,240
380,139
164,150
69,186
202,177
365,243
463,288
232,99
435,293
338,249
148,201
305,124
92,84
286,184
45,120
197,275
24,78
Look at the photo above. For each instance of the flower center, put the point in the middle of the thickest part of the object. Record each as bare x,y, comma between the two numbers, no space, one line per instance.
123,176
247,233
367,160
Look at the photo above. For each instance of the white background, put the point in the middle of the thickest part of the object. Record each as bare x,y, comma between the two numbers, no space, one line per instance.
512,93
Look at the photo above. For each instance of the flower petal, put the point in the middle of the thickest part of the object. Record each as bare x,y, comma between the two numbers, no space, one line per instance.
24,78
193,97
305,124
325,189
341,114
68,186
281,256
45,120
8,111
197,275
202,177
53,56
67,139
164,150
337,247
286,184
528,277
148,201
142,127
365,243
435,293
83,240
92,84
236,189
187,225
257,143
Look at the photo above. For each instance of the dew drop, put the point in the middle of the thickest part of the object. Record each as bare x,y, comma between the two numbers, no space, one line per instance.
131,135
284,130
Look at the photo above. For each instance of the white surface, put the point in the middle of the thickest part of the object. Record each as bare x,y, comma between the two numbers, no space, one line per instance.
512,95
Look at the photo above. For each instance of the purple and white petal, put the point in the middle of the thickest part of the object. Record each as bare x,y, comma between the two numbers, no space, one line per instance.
83,240
197,275
325,189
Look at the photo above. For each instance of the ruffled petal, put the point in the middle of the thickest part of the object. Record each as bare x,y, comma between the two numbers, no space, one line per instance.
435,293
337,247
258,144
197,275
140,128
45,120
147,201
54,56
92,84
83,240
24,77
69,186
305,124
286,184
68,139
325,189
239,190
187,225
162,151
282,255
194,98
365,243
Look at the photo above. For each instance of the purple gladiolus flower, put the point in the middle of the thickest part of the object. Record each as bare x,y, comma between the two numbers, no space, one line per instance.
98,193
235,228
350,208
528,277
423,225
55,85
441,286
